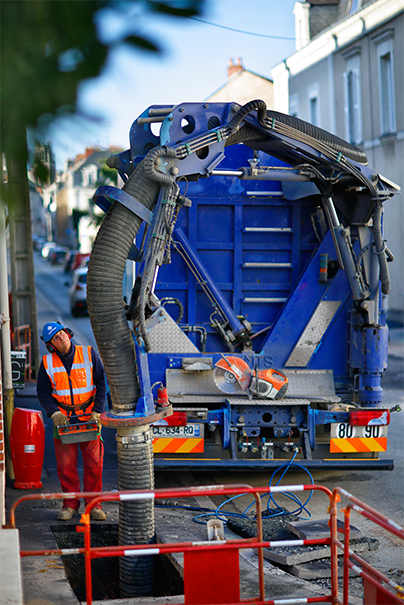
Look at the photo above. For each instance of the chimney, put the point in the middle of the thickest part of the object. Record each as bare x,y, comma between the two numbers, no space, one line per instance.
301,11
234,68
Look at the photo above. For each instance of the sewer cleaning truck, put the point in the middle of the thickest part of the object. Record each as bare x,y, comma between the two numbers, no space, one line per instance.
256,330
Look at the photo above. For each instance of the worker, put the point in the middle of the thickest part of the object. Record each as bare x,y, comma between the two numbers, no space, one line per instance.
71,387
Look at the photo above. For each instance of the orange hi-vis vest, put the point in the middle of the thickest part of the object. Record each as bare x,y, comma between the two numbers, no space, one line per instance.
75,392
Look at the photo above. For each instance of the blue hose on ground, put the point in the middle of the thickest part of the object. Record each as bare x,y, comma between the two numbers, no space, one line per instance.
278,511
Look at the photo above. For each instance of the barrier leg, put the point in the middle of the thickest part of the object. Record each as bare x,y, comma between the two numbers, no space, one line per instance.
375,595
211,576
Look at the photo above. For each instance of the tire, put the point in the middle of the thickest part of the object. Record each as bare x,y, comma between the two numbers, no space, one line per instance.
75,312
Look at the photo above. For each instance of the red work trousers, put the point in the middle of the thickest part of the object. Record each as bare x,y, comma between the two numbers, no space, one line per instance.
66,459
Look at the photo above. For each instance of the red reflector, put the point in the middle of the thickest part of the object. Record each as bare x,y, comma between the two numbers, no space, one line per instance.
369,417
177,419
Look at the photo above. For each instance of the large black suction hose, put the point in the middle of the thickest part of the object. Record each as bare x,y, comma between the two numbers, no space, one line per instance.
104,291
268,117
115,343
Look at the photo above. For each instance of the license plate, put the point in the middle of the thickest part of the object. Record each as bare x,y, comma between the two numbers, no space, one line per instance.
342,430
190,430
346,438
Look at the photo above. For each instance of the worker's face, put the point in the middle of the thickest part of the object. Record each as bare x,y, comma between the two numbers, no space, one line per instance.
62,342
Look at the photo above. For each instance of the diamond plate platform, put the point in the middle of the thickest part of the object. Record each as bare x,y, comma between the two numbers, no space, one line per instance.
313,333
184,382
199,387
167,337
269,402
318,385
198,399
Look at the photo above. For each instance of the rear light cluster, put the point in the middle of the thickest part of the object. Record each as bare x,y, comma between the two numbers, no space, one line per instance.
369,417
177,419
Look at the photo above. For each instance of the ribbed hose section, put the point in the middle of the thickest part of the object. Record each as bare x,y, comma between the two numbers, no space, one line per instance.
104,292
336,143
245,134
136,519
340,145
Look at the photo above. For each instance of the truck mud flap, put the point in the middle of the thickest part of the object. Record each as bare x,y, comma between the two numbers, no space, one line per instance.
162,464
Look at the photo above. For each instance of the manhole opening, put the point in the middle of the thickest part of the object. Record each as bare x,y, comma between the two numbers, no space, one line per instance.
105,571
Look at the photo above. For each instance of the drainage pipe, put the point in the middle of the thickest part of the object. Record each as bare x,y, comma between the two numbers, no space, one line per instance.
5,322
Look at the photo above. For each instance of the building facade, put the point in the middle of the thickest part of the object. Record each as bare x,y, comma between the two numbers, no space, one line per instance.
75,218
347,76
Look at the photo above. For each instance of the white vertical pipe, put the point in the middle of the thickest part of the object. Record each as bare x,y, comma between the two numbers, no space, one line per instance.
4,306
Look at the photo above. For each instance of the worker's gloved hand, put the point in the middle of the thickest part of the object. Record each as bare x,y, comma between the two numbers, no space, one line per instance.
59,419
95,417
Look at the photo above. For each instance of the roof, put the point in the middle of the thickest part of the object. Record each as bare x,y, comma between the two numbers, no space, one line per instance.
242,87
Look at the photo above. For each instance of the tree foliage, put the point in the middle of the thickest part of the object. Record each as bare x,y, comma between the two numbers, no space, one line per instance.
48,47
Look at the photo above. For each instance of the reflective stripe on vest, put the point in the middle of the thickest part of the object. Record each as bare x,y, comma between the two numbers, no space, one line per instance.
81,377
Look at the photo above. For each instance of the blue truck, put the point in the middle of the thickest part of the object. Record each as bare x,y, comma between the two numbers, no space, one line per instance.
255,333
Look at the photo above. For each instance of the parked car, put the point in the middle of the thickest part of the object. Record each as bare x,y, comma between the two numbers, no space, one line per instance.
46,249
74,260
57,255
78,292
37,242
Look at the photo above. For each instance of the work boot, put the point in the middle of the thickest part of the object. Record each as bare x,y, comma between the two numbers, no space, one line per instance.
98,515
66,513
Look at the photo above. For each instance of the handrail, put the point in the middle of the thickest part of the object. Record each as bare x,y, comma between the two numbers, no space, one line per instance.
368,572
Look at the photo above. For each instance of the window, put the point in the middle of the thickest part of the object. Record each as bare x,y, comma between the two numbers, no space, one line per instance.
314,109
384,44
386,93
89,175
294,104
352,100
355,6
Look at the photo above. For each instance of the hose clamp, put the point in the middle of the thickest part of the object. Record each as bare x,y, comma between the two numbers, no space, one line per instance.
134,439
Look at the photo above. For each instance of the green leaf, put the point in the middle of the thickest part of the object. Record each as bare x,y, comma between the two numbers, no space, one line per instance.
143,43
192,8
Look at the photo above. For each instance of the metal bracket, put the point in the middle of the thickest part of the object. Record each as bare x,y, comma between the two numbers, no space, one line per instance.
325,417
145,403
105,195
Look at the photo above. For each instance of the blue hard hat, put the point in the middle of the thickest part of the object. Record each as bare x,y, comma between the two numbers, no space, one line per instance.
50,329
